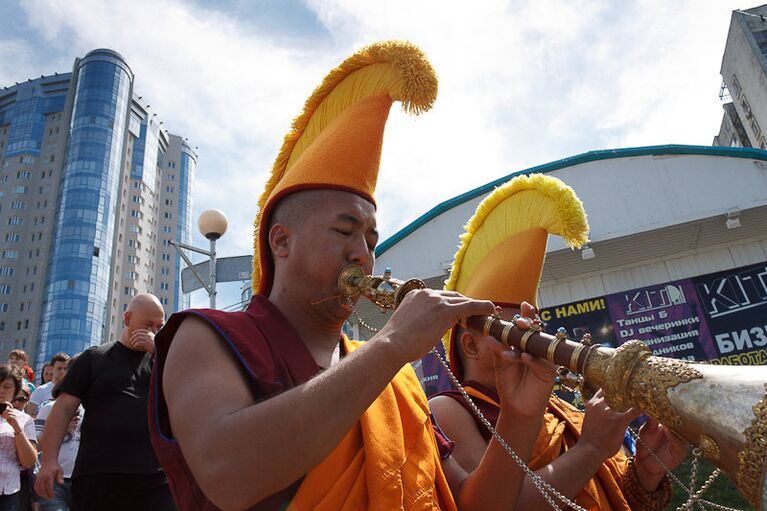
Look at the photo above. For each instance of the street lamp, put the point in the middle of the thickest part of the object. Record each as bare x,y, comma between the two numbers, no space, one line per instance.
212,224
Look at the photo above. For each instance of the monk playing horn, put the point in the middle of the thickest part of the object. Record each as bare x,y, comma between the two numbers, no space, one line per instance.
500,259
273,408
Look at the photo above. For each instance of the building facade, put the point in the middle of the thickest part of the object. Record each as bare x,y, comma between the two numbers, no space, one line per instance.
744,81
91,188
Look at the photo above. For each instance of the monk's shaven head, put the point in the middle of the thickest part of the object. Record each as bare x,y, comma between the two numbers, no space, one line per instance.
293,208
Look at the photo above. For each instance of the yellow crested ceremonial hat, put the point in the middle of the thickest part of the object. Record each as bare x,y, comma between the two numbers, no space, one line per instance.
500,257
335,143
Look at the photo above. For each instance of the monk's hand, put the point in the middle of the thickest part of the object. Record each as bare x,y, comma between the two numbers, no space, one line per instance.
604,428
424,316
666,445
523,381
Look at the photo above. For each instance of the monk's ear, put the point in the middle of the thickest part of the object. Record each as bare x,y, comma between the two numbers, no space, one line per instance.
279,240
469,344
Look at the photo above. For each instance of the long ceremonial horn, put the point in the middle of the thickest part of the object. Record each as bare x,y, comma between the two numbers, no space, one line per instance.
720,409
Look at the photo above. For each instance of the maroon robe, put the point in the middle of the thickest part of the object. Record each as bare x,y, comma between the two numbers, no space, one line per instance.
490,411
274,358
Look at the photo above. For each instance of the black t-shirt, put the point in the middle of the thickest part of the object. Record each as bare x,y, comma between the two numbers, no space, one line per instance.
112,382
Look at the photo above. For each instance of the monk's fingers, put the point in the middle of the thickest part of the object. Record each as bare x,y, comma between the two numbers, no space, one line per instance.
528,310
631,414
524,323
466,308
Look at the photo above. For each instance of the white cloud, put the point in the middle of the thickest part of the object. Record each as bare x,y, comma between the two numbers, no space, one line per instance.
521,83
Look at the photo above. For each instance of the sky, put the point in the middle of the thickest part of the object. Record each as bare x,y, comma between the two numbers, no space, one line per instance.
521,83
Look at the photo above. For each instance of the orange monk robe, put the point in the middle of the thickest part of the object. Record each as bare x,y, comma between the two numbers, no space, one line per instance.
562,424
388,460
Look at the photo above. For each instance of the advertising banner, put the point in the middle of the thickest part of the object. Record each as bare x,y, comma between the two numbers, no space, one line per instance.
667,317
431,374
584,317
735,307
720,318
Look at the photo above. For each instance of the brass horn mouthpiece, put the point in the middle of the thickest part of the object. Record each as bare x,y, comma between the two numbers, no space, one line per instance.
385,291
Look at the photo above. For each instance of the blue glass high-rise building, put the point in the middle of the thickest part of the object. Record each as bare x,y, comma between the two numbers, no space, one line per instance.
91,189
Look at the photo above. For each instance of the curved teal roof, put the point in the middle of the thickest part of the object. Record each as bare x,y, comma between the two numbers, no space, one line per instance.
607,154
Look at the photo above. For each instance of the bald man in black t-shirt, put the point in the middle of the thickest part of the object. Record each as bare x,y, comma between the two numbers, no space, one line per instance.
116,467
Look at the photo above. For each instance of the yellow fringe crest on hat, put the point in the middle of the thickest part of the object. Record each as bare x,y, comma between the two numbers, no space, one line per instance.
554,207
570,222
397,68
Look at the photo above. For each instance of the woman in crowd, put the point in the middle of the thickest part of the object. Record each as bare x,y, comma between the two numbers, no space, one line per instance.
47,373
17,441
19,402
22,397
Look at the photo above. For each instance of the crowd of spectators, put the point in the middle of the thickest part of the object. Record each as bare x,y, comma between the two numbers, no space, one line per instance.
77,438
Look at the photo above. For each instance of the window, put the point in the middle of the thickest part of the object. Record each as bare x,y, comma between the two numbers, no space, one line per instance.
166,229
164,286
5,289
133,259
23,174
133,228
165,257
134,213
164,271
168,202
15,220
18,204
129,291
168,189
2,325
12,237
9,254
3,307
7,271
136,198
130,275
20,189
168,215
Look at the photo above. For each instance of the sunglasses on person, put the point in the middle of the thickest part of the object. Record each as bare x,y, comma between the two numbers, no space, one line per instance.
20,399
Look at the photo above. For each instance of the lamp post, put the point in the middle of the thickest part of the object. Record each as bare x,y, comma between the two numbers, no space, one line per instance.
212,224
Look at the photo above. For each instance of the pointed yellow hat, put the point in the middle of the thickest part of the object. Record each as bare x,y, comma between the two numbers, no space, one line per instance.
501,254
336,141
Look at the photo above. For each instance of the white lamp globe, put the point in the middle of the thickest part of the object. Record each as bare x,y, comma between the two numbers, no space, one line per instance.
212,223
